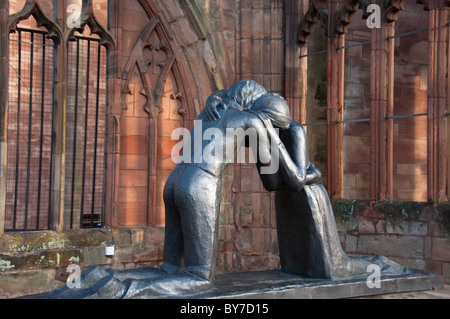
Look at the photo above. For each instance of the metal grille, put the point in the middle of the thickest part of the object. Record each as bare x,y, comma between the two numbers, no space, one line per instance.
85,133
30,109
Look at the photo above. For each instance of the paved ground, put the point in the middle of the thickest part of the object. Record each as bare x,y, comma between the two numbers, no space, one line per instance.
432,294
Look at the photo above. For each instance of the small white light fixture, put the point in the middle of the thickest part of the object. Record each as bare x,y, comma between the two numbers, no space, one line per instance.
109,250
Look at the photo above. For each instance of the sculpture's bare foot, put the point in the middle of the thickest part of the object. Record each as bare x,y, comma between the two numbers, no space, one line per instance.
348,267
175,285
389,267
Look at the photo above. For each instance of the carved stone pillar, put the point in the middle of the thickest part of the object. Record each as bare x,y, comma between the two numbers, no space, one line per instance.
114,110
339,18
382,103
296,68
59,126
335,114
152,167
4,75
438,68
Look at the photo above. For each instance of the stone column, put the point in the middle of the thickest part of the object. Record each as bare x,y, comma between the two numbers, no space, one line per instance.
335,97
4,80
59,124
448,98
245,70
381,95
335,114
296,78
152,167
438,103
113,112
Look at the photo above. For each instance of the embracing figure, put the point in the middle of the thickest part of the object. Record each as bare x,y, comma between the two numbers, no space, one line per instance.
308,239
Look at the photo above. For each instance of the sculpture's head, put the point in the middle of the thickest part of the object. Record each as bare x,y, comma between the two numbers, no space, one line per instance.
246,92
275,107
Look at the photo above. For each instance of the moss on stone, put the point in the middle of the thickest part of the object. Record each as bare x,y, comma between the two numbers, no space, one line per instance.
321,93
245,210
344,210
397,210
444,217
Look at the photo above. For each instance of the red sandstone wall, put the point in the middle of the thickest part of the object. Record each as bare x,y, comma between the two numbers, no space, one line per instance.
410,84
357,106
410,97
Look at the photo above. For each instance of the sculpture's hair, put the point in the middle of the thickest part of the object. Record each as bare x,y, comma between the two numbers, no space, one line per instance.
246,92
275,107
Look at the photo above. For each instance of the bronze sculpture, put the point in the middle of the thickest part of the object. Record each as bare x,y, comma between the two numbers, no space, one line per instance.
307,234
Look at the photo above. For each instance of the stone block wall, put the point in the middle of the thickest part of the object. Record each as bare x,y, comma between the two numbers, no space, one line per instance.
413,234
416,235
29,262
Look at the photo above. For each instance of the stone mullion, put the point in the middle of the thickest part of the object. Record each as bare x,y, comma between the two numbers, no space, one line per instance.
448,103
390,112
152,168
4,76
335,99
56,222
381,155
335,114
113,112
296,68
438,103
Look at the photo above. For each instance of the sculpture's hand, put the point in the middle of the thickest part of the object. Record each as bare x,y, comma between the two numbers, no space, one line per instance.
212,104
271,131
314,176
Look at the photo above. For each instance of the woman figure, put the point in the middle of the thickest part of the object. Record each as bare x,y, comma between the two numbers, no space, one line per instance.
307,235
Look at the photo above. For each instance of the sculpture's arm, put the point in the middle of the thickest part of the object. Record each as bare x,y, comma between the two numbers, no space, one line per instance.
293,171
314,176
263,152
296,138
212,103
271,182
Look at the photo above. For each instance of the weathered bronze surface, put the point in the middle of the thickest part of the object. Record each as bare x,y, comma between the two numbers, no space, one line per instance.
308,239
